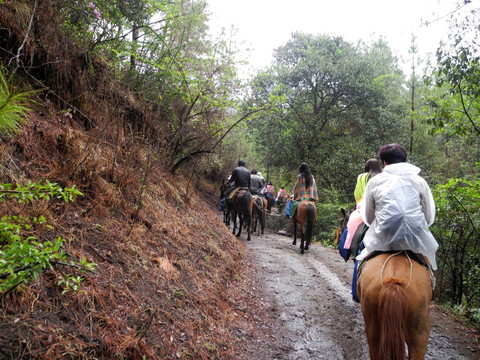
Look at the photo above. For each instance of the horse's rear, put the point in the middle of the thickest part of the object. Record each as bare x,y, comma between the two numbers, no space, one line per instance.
259,205
270,202
395,296
304,218
242,208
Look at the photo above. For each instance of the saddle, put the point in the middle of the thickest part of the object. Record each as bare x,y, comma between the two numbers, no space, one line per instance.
419,258
237,191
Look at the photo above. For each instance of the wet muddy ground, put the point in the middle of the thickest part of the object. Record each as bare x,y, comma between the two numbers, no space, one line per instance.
312,314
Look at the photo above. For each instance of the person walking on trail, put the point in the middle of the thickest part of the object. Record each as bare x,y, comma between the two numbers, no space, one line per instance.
370,169
256,183
263,190
223,189
398,207
240,178
270,189
305,188
282,195
270,192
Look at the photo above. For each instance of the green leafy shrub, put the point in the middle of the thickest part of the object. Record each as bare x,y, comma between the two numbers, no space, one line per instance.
328,215
457,230
22,256
13,109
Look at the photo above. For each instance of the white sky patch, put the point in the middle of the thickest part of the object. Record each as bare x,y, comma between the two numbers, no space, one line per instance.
267,24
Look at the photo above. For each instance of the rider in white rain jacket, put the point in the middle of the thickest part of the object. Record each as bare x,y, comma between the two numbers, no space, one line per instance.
398,208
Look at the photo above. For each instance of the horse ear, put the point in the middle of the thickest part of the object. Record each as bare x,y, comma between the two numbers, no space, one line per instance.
343,211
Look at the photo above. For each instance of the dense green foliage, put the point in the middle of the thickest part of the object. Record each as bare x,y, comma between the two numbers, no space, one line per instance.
451,110
162,51
457,230
341,103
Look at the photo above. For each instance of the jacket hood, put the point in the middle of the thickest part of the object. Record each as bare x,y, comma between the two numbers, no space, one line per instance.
402,168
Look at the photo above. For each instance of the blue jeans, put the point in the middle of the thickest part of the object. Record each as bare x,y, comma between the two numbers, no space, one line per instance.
355,274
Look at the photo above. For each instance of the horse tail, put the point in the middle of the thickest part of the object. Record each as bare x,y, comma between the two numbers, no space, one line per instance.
393,320
261,213
247,197
310,221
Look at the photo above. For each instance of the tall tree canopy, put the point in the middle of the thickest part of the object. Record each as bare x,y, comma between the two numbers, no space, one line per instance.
340,106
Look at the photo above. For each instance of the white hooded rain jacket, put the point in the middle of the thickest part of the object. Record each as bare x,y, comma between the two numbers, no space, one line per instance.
398,207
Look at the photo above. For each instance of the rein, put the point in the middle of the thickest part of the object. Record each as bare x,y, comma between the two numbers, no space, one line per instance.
266,212
386,261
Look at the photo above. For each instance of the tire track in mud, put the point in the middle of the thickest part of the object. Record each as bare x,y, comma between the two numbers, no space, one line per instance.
312,292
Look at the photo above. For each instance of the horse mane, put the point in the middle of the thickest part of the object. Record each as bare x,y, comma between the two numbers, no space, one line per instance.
392,309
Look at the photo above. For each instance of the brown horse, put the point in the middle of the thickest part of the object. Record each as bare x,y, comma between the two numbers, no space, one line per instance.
304,217
395,292
227,205
342,225
259,208
270,202
241,205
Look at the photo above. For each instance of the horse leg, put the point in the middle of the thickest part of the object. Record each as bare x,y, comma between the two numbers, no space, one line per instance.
418,328
254,221
294,233
418,341
240,221
372,328
262,220
234,220
247,213
302,241
311,214
257,220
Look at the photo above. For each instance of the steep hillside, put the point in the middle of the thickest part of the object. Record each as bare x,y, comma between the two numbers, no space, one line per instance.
169,274
170,280
167,269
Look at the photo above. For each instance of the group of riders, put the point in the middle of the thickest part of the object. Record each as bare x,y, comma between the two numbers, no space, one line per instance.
394,207
242,178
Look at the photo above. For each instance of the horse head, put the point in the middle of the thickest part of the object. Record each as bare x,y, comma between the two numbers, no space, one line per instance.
342,224
345,217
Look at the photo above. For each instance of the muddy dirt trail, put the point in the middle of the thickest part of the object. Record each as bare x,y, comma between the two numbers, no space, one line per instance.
314,316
